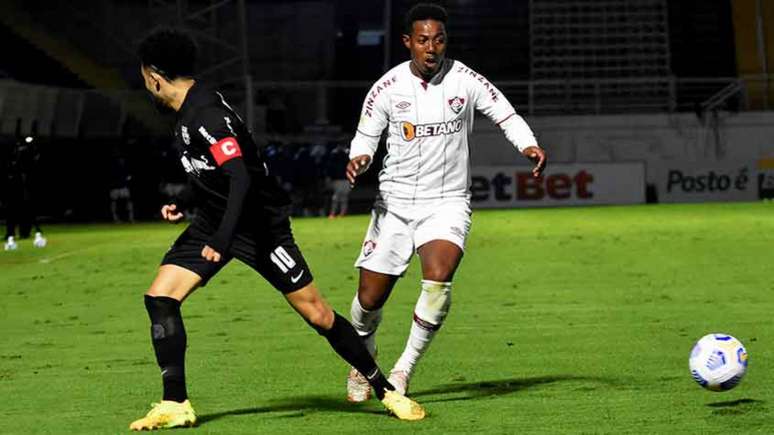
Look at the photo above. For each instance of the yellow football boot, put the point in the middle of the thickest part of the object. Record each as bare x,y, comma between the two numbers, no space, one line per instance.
403,407
165,415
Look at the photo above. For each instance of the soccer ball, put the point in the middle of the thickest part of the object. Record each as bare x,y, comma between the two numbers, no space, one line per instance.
718,362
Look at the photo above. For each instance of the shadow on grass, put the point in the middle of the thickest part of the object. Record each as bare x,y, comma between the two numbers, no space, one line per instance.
739,407
297,406
734,403
484,389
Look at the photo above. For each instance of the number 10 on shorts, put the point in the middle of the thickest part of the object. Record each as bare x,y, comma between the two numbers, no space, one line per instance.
282,259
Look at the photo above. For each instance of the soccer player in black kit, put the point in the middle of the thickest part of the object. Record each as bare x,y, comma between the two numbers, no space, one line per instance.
242,213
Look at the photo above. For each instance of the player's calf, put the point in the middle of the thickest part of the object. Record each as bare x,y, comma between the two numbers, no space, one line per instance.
345,341
340,334
365,323
434,303
320,317
169,343
429,314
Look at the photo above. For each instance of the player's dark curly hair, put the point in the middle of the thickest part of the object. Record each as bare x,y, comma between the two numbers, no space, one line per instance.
169,51
424,11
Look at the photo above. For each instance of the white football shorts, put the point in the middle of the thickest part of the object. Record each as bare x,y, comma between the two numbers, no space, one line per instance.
396,231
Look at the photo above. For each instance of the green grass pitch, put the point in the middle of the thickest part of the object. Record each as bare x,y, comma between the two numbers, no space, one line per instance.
575,320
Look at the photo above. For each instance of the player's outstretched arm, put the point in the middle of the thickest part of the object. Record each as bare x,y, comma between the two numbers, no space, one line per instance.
357,166
492,103
170,213
538,157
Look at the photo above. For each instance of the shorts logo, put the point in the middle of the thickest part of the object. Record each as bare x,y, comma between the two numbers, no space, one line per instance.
409,131
368,248
456,104
294,279
403,105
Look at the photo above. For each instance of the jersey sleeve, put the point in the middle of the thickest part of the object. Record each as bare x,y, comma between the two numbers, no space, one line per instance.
239,186
373,119
492,103
216,130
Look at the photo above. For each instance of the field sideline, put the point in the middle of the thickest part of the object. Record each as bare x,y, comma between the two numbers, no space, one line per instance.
576,320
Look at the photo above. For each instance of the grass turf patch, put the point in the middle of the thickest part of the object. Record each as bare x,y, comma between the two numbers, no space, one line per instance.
564,321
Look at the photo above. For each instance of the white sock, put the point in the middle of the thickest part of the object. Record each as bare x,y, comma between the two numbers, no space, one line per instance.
417,344
433,305
365,323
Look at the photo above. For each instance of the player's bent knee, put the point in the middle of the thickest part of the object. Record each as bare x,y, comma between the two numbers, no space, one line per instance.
173,282
369,300
433,304
439,273
319,317
157,290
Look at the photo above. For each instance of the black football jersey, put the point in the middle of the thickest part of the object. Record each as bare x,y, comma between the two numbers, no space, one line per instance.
210,133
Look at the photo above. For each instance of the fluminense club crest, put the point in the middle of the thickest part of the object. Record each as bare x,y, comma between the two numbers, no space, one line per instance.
368,248
457,104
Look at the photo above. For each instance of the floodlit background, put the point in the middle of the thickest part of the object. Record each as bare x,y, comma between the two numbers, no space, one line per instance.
567,319
682,87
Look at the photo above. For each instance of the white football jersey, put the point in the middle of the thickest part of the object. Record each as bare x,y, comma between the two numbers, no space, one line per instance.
428,154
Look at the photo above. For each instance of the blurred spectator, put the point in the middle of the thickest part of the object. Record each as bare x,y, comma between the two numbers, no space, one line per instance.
335,172
306,192
19,172
277,114
280,161
319,152
172,179
120,190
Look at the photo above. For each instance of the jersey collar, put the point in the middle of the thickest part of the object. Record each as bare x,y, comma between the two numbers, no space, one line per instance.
439,76
193,99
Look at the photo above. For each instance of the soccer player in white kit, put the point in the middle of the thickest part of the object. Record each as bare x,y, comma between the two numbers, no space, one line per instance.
427,104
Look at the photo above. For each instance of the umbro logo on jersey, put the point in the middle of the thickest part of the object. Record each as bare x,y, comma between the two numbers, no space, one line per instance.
403,105
457,104
410,131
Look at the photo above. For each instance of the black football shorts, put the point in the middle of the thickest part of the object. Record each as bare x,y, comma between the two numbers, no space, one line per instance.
273,253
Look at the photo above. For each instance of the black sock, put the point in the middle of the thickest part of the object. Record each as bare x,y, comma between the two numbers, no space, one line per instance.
169,342
345,341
